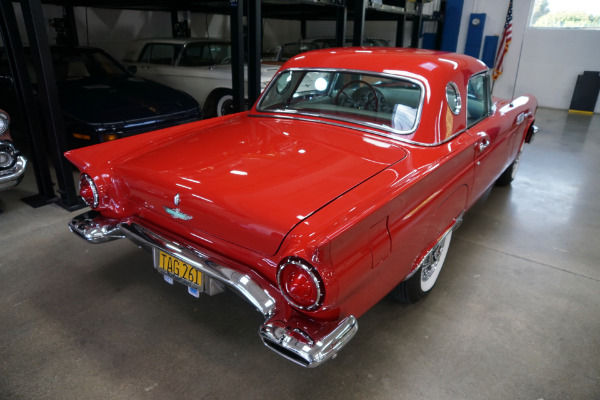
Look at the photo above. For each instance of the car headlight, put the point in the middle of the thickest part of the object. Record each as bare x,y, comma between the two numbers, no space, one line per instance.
4,122
300,284
7,154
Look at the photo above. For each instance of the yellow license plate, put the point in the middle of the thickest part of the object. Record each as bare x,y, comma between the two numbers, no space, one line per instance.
177,267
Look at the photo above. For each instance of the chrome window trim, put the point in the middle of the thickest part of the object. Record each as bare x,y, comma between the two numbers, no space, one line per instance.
357,121
359,129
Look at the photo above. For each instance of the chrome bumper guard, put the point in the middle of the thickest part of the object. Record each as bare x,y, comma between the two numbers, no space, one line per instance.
291,342
298,346
531,134
14,175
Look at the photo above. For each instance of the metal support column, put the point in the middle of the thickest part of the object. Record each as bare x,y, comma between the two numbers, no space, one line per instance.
400,26
359,22
174,23
72,36
340,26
417,21
254,50
439,34
237,53
52,117
12,42
303,29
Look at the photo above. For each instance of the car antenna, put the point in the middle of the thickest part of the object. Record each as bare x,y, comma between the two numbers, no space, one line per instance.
512,98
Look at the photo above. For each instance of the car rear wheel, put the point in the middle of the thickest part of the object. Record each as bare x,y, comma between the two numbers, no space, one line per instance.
423,280
509,173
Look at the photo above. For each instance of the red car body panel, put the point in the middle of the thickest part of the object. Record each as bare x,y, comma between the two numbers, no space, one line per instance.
362,206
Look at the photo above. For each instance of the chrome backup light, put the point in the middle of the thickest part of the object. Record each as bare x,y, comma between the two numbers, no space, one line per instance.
300,284
5,159
88,190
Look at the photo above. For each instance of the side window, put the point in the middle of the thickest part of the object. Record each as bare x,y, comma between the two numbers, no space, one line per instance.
478,99
193,56
159,53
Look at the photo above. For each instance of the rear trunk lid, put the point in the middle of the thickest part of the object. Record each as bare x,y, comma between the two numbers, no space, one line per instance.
250,180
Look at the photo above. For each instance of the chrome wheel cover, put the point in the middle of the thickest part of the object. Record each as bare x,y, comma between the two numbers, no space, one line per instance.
433,262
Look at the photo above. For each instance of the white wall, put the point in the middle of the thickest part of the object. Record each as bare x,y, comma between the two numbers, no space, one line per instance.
114,30
549,61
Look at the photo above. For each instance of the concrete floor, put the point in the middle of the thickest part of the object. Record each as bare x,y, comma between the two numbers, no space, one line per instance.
515,314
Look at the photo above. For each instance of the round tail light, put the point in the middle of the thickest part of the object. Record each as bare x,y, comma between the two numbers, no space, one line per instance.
300,284
88,190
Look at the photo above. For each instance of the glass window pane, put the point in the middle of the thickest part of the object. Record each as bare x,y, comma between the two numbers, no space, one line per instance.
565,14
385,102
477,99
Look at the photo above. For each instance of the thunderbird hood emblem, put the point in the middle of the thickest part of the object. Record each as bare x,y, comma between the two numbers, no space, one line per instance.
177,213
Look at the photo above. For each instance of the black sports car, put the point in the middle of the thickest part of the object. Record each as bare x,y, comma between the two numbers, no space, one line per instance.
102,101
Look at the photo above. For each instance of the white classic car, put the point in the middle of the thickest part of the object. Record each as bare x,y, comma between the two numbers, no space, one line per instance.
200,67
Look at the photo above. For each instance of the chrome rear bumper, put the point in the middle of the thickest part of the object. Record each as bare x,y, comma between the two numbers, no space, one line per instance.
12,176
284,329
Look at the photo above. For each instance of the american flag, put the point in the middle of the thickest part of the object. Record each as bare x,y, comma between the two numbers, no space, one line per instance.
506,39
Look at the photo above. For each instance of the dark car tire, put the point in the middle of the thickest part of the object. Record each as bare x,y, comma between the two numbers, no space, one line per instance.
219,103
510,172
423,280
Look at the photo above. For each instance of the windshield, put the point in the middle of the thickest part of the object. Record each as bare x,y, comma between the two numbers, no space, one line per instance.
385,102
77,65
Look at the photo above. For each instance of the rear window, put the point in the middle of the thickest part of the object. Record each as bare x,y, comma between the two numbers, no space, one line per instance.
385,102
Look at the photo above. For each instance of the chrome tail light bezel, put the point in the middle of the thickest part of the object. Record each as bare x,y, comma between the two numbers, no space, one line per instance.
315,279
85,179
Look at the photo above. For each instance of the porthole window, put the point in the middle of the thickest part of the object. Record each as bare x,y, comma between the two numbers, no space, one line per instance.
453,97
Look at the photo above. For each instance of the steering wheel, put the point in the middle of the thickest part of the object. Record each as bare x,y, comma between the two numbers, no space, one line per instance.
364,96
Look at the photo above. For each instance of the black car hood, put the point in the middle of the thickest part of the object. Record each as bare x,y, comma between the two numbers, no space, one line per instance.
106,101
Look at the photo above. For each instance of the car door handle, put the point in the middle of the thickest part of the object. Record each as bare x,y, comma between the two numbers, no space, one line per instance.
485,142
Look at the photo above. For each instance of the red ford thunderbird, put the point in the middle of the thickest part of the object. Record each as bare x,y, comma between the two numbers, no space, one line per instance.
342,185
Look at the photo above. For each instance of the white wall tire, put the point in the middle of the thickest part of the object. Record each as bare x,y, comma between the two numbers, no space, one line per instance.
423,280
432,264
225,105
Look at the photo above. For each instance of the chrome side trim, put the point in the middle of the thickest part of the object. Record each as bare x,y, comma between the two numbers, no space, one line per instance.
13,175
356,128
310,353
